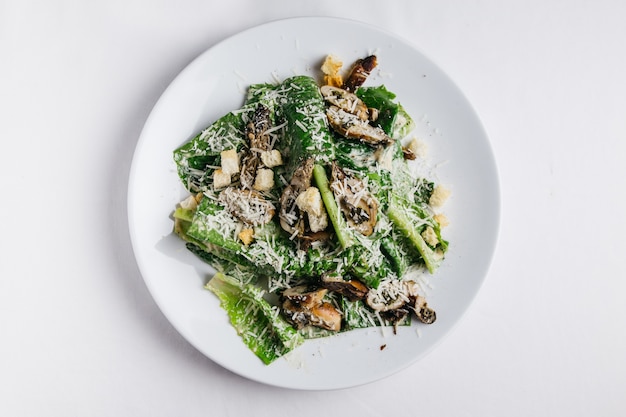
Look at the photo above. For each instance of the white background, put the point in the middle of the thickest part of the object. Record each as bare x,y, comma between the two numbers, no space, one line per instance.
80,334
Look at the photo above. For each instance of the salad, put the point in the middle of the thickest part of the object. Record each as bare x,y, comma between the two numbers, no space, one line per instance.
304,203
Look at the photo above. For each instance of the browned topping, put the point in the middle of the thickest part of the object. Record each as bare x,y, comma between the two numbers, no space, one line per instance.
352,127
305,307
424,313
408,154
357,204
395,299
249,206
352,289
346,101
259,141
303,296
347,114
326,316
395,317
302,213
359,73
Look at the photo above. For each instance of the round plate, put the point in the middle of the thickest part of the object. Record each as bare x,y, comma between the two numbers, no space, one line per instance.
214,84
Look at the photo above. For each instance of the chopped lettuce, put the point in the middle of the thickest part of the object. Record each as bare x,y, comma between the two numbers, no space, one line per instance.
402,237
392,117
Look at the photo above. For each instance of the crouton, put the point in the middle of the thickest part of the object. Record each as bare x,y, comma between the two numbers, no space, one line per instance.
271,158
430,236
264,180
310,201
331,67
230,161
442,219
189,203
439,196
246,236
220,179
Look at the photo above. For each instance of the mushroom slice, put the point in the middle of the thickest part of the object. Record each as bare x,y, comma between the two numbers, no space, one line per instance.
356,203
303,296
390,295
317,236
352,127
310,239
259,141
395,298
395,317
424,313
301,178
418,304
296,315
249,164
346,101
249,206
257,128
359,72
291,218
303,307
352,289
326,316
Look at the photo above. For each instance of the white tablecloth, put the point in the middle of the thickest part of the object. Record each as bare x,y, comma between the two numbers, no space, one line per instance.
81,335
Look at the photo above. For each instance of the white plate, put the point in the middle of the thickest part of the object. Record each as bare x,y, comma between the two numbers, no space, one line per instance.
214,84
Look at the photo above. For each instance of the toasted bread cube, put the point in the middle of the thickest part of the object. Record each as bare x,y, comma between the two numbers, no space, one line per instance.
271,158
246,236
442,219
264,180
439,196
331,67
230,161
189,203
220,179
430,236
310,201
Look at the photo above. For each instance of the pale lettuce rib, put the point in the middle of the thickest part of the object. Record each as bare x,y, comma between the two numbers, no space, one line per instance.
259,324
